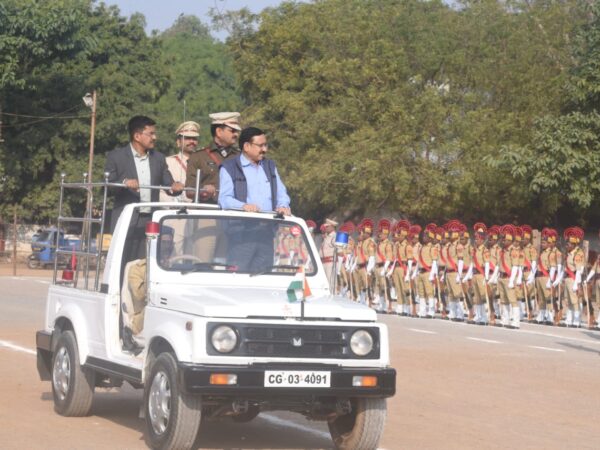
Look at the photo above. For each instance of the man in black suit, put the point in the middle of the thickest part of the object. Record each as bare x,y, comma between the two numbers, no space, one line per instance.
135,165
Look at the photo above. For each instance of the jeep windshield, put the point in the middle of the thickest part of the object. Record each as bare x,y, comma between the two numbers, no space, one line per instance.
191,243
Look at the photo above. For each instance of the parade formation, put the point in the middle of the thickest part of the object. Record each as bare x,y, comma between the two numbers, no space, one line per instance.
485,276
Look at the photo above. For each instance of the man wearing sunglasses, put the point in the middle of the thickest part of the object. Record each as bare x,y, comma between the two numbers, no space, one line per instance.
225,130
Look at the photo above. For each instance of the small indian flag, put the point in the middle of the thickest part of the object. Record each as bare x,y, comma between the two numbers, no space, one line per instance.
298,288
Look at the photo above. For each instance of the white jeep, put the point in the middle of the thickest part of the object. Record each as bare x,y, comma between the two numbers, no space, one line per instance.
226,331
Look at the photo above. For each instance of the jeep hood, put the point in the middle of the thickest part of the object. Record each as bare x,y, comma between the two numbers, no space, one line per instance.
236,302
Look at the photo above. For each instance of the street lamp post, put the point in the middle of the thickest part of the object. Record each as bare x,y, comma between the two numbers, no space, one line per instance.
90,102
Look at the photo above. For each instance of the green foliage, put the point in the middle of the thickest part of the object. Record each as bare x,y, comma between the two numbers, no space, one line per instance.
388,106
202,75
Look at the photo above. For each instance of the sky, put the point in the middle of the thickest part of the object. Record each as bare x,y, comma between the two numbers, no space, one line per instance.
161,14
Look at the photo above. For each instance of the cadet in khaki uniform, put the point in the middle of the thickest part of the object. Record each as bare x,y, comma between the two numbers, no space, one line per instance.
510,257
542,279
481,260
346,260
574,266
369,249
412,250
383,258
492,272
365,261
530,258
454,267
465,282
442,237
427,258
399,267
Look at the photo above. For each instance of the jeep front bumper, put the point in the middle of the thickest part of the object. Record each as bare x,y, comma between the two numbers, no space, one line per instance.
195,379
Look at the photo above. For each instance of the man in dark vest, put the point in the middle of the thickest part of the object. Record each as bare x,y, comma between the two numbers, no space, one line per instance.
250,182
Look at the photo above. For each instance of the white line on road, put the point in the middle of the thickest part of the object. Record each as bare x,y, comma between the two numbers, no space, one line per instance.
417,330
560,350
16,348
489,341
558,336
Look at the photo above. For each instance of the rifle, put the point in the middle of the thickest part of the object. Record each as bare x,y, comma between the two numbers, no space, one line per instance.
490,305
527,307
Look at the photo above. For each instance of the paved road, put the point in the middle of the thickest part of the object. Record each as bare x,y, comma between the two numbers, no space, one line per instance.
459,386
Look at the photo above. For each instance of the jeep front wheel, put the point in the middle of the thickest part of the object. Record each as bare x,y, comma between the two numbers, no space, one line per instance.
362,428
172,417
72,385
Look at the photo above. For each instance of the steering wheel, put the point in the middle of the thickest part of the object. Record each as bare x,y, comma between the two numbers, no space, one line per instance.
192,258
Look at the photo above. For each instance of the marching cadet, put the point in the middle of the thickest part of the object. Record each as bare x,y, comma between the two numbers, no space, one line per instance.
383,258
354,266
428,255
327,248
481,260
542,280
442,236
592,280
509,268
556,276
399,268
518,243
574,265
346,260
530,258
464,240
412,250
454,268
365,261
492,279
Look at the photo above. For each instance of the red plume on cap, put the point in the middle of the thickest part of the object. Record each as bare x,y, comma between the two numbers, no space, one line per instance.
574,235
414,230
366,225
401,225
518,233
311,224
526,230
383,225
494,230
347,227
508,231
480,228
440,231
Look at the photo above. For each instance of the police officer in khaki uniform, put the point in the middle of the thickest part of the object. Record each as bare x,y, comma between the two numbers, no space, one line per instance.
327,248
542,279
454,269
225,130
530,258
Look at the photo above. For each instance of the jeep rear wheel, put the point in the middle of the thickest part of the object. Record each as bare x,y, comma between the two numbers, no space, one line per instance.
172,417
362,428
72,385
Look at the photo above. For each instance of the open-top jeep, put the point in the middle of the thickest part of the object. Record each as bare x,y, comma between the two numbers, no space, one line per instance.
226,331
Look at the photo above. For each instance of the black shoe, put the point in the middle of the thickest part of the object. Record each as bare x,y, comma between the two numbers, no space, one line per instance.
129,344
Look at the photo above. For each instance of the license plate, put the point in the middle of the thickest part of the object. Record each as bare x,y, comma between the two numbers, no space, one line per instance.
297,378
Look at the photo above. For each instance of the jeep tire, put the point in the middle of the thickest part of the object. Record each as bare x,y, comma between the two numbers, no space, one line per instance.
72,385
172,417
362,428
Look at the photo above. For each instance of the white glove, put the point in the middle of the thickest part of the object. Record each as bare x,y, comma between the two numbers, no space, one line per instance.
548,284
339,264
533,268
552,273
442,277
382,272
486,271
520,276
353,267
415,272
292,253
461,265
386,264
530,278
559,278
575,286
513,275
408,270
495,275
590,276
348,263
433,271
578,276
469,274
370,264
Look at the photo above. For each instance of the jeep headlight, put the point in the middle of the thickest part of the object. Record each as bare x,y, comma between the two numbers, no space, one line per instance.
224,339
361,343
